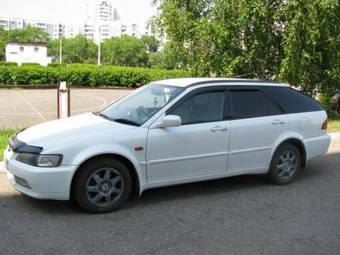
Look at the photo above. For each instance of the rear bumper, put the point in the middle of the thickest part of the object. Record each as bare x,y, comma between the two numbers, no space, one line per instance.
317,146
43,183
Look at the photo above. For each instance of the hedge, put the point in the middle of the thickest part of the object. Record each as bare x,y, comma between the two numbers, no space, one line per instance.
8,63
30,64
83,75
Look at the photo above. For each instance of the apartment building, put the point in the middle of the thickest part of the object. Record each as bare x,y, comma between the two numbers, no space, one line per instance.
102,21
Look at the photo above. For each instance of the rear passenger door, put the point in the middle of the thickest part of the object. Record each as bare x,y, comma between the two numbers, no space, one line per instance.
256,122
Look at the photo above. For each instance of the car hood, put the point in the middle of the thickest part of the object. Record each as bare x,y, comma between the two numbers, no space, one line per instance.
71,129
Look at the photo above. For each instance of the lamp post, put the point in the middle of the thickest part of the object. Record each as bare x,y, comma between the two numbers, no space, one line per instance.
99,46
60,50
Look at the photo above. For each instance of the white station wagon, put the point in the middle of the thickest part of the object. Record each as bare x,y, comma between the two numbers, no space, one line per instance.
165,133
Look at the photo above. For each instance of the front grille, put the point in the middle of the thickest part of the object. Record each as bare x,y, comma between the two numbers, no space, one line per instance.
22,182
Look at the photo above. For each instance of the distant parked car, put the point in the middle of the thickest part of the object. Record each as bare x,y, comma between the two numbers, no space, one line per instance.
169,132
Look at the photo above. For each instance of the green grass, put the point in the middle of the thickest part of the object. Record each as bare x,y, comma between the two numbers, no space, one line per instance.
333,125
4,135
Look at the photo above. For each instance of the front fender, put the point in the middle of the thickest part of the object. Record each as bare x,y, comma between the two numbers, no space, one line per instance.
116,149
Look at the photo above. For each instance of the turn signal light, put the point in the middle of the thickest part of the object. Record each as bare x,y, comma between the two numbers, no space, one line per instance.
325,124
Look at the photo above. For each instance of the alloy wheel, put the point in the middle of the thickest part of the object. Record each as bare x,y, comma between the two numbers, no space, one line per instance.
104,187
287,164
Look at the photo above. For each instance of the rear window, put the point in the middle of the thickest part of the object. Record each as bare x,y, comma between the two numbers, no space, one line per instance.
293,101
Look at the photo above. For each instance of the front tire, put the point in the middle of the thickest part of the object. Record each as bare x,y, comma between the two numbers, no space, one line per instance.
285,165
102,185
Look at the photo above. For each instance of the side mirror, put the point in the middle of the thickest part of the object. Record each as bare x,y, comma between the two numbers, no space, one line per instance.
169,121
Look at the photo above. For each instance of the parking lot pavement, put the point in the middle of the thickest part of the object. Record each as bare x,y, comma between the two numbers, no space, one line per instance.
240,215
21,108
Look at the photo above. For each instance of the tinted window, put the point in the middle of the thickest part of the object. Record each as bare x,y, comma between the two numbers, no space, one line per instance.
248,104
200,108
293,101
274,107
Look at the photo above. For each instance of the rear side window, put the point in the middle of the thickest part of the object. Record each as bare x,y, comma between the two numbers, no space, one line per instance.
248,104
274,108
293,101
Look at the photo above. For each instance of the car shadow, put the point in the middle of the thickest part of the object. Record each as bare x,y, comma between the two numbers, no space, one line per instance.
317,168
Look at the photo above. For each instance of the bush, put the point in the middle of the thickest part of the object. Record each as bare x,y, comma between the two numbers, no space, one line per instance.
30,64
84,75
325,101
8,64
56,65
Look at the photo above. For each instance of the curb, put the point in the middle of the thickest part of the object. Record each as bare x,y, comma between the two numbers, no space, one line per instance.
2,167
335,135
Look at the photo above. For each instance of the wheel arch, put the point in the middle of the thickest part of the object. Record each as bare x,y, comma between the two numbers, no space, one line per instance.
127,162
299,144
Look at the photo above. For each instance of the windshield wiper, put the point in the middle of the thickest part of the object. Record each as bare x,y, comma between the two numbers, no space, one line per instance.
126,121
123,121
102,115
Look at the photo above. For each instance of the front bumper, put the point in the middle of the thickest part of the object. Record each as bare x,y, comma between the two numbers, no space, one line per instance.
44,183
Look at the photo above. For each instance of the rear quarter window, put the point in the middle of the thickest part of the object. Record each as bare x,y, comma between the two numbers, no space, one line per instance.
293,101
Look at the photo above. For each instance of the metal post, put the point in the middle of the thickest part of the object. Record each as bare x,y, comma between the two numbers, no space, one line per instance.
63,101
99,53
99,49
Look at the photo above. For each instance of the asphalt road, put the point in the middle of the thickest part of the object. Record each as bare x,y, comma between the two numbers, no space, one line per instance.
241,215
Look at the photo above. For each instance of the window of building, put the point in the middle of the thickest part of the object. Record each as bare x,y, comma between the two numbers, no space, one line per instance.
21,48
36,49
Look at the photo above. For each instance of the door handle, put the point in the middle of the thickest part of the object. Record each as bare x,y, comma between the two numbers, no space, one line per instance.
218,128
278,122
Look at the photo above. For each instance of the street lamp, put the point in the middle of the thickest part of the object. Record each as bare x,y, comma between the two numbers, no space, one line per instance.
60,49
99,42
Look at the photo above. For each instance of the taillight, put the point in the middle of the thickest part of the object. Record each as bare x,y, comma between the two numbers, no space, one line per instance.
325,124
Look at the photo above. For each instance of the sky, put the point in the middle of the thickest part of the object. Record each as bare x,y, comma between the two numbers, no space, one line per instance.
73,11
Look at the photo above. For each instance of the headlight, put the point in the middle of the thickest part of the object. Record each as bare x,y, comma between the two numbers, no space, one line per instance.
40,160
49,160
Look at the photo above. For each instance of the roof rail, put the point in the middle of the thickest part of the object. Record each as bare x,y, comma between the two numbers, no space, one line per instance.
232,81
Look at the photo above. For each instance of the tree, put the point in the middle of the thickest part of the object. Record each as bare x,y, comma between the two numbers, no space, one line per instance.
3,42
218,37
26,35
297,40
124,51
150,42
311,45
75,50
166,58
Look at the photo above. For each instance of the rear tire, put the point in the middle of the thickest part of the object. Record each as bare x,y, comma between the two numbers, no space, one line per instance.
102,185
285,164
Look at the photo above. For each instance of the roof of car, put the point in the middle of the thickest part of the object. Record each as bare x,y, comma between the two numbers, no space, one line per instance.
188,82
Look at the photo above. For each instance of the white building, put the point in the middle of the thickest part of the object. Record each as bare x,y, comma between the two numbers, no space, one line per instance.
136,29
102,21
11,23
27,53
54,30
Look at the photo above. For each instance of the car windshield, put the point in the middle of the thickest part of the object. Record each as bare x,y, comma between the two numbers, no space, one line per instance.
141,105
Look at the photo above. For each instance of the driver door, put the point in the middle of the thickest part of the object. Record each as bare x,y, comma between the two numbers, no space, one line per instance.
199,147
